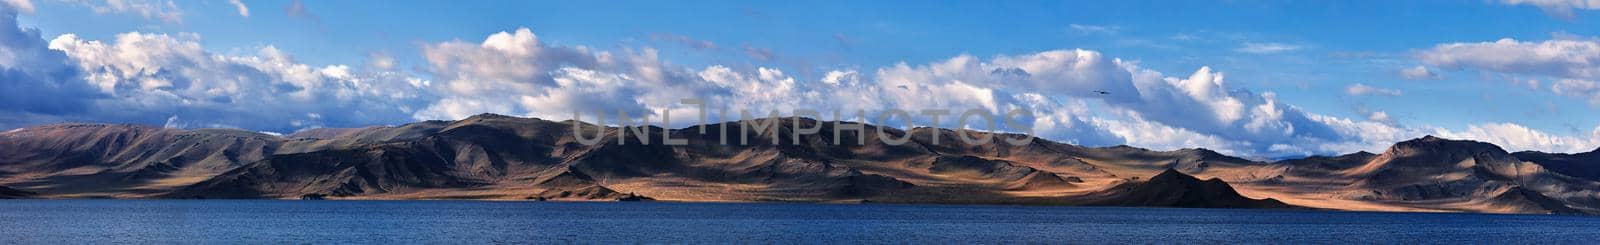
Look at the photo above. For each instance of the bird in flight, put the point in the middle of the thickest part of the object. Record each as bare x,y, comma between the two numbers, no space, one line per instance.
1101,92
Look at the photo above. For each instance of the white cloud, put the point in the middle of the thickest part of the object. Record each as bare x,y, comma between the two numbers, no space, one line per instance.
24,6
1560,58
553,81
1570,63
1364,90
166,11
1558,8
243,10
1516,137
1582,89
1379,116
1267,48
1419,73
381,61
1143,133
141,75
1532,84
1094,29
1234,120
841,77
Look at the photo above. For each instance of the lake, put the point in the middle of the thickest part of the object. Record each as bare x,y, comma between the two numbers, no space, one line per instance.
284,221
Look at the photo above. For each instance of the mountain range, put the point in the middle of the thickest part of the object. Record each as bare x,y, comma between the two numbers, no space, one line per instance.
510,158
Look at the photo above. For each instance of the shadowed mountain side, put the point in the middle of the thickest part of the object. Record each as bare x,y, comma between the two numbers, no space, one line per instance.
1520,200
1171,188
335,173
117,160
1582,165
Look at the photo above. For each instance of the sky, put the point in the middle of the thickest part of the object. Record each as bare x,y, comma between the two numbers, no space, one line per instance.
1262,79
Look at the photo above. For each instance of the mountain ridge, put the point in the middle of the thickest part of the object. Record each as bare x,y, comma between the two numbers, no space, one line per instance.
491,156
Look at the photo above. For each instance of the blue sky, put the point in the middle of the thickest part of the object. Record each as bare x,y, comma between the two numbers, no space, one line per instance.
1333,61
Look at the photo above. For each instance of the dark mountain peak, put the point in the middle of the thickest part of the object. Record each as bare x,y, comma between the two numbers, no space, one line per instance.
1435,140
1125,147
489,116
1203,154
1358,154
1432,144
1170,175
1172,188
503,122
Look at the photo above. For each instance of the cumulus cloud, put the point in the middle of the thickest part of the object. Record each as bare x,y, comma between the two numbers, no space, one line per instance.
243,10
475,78
1144,107
555,81
166,11
845,77
1419,73
1364,90
1558,8
152,77
36,83
1267,48
1561,58
1379,116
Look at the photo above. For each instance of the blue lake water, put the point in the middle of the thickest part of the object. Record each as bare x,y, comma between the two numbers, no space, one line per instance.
276,221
